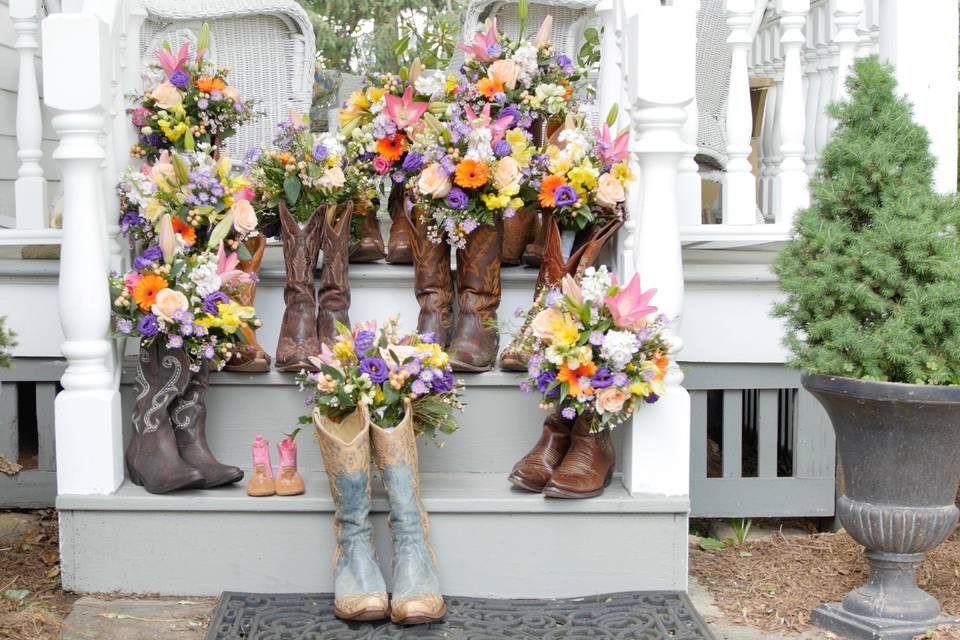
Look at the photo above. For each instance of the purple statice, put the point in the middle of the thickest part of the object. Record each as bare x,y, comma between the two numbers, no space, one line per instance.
457,199
565,63
468,225
375,368
620,379
149,257
319,153
553,298
602,378
565,196
442,383
412,162
174,342
512,111
179,78
502,148
419,387
148,327
209,304
596,338
519,312
449,165
252,155
544,382
525,122
124,326
568,413
363,341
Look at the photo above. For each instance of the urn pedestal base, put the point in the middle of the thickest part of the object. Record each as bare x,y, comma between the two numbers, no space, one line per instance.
834,618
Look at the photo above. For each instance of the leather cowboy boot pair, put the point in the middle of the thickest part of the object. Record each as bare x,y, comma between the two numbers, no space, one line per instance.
168,450
569,460
250,356
370,246
473,345
310,316
359,587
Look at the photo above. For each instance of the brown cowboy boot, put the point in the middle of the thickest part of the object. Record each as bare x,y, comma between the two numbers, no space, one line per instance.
519,231
533,252
399,248
250,356
476,339
333,295
587,468
369,248
433,281
536,468
298,330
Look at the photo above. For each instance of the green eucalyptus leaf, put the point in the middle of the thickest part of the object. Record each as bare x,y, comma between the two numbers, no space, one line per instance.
291,188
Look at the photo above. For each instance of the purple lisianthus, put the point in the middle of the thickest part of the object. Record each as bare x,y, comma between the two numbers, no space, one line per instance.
124,325
412,162
502,149
442,383
457,199
179,78
565,196
419,387
130,219
565,63
174,342
209,304
511,111
149,257
319,153
364,341
601,379
375,368
544,380
569,413
650,399
147,327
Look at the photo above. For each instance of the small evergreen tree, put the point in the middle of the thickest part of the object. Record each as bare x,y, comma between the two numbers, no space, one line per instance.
872,270
7,342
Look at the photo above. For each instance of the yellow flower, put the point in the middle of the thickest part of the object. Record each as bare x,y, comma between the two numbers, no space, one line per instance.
584,176
621,171
516,137
523,156
495,201
343,351
517,204
560,165
564,330
639,389
154,209
437,358
378,394
223,166
173,133
374,94
358,101
451,83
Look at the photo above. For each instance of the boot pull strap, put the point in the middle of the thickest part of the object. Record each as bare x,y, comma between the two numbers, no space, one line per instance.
595,245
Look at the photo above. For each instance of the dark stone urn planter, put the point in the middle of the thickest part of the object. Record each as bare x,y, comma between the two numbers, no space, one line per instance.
899,445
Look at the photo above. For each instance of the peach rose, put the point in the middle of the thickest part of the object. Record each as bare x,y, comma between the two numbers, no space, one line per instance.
506,174
166,96
611,399
244,217
507,72
434,182
231,93
543,321
609,191
168,302
332,179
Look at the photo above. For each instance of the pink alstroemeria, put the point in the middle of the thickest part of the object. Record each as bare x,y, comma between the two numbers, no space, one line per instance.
227,269
630,306
170,63
612,151
483,121
245,192
324,357
404,111
482,46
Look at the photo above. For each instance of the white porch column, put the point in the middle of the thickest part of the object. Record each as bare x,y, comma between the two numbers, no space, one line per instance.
739,184
922,46
657,444
791,119
30,190
626,239
88,428
846,16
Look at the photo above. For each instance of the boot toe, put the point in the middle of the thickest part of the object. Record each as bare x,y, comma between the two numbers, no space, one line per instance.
222,476
362,608
400,254
419,609
530,477
513,361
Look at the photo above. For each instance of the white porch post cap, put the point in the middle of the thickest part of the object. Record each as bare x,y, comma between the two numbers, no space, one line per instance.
653,31
75,61
24,9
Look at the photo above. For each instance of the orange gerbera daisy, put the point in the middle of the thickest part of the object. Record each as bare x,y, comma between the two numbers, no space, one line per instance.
472,174
145,292
572,378
188,233
547,186
392,148
209,85
489,87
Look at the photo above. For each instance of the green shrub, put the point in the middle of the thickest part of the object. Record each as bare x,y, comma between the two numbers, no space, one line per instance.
872,269
7,342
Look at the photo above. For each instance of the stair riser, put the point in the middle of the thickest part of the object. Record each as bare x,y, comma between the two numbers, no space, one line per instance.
500,424
489,555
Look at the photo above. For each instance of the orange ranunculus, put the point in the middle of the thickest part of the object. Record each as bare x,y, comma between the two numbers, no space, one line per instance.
188,233
489,87
209,85
547,186
472,174
572,378
286,158
145,293
392,148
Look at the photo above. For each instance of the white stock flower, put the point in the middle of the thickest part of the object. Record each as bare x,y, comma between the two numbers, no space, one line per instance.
595,283
619,347
526,57
431,83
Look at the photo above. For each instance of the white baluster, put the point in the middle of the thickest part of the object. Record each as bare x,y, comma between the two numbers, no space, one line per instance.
30,190
766,147
88,428
846,17
626,239
792,116
826,79
689,185
812,96
865,44
739,186
774,108
656,456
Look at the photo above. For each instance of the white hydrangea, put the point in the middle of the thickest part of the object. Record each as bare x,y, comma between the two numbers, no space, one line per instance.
576,143
431,83
526,58
595,284
618,347
478,145
205,278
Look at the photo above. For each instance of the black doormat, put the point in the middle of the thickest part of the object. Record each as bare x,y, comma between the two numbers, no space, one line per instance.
635,615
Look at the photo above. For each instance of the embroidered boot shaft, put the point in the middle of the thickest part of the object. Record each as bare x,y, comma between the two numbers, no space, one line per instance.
333,296
359,590
433,281
476,339
298,330
250,357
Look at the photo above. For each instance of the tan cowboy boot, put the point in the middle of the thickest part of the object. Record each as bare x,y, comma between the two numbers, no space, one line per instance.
399,249
298,329
261,483
476,339
433,281
250,356
535,469
333,294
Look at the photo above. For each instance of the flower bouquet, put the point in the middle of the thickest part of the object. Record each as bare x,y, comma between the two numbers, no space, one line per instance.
190,102
378,368
599,351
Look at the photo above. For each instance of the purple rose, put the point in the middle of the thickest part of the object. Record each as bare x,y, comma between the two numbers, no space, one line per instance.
565,63
375,368
179,78
601,379
442,383
149,257
569,413
502,149
457,199
147,327
412,162
209,303
364,341
565,196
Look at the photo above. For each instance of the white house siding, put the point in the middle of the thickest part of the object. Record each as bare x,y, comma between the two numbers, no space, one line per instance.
9,77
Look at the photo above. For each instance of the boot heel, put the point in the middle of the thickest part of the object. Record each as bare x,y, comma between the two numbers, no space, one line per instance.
608,479
134,478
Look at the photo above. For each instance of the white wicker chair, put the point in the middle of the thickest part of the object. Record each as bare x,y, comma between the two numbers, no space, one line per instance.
268,45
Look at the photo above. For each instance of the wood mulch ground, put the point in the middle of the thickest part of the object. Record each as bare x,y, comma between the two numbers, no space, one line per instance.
774,584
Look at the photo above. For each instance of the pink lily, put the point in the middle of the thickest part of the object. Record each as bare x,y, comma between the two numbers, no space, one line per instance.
629,307
571,289
484,121
481,46
171,63
612,152
227,269
404,111
543,35
167,238
324,357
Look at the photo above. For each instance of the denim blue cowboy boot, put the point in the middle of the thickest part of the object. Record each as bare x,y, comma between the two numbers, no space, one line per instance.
359,590
416,586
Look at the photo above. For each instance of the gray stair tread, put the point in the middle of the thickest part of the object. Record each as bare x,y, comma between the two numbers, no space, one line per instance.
442,493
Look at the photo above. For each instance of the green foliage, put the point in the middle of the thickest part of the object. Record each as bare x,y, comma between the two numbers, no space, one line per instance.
872,269
7,343
741,528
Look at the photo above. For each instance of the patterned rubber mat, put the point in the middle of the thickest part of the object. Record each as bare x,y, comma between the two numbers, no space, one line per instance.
637,615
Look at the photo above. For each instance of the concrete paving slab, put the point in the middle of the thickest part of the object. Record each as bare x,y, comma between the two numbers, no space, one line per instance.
93,618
